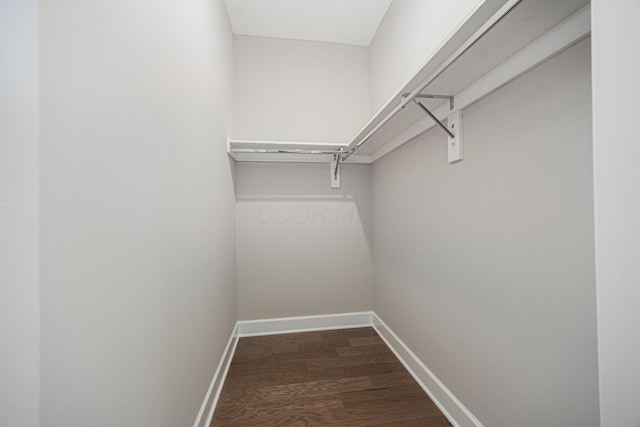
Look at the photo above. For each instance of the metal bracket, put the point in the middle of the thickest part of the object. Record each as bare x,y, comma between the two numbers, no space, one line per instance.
424,96
454,121
435,119
335,170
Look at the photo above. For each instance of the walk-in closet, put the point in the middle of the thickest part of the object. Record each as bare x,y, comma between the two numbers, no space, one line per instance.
319,212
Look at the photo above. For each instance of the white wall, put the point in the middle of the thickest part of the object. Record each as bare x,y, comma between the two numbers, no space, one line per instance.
616,67
303,248
137,208
485,268
19,251
292,90
410,32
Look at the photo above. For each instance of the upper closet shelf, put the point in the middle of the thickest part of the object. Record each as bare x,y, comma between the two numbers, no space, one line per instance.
499,41
302,152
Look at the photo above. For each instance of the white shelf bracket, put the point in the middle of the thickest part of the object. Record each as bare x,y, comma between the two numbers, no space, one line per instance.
335,170
454,144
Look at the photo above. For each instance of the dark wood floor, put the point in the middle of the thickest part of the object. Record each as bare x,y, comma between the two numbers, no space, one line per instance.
347,377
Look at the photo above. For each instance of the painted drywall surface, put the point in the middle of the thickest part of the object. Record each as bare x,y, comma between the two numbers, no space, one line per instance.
616,67
410,32
303,248
485,268
293,90
137,209
19,252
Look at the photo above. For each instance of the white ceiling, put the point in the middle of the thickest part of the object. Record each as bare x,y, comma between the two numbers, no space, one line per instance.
337,21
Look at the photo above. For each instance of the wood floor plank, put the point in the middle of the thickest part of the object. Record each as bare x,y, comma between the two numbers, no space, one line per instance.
349,333
324,345
363,349
435,421
240,411
287,392
352,399
356,341
252,381
306,355
297,366
344,361
391,379
329,378
382,412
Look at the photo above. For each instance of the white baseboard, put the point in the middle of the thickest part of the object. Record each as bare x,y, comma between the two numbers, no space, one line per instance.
450,406
247,328
213,393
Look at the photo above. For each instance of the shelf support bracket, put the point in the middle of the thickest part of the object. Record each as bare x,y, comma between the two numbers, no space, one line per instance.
435,119
335,170
453,130
426,96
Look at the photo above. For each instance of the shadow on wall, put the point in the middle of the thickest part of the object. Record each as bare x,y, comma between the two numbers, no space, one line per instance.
298,196
232,170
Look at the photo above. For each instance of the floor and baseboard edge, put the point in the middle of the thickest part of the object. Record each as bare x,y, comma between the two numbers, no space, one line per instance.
285,325
213,393
450,406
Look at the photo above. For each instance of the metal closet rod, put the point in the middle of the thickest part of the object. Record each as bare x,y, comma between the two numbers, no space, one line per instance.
285,151
495,19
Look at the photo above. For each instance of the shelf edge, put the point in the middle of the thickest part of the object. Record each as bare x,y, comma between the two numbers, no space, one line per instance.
564,35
